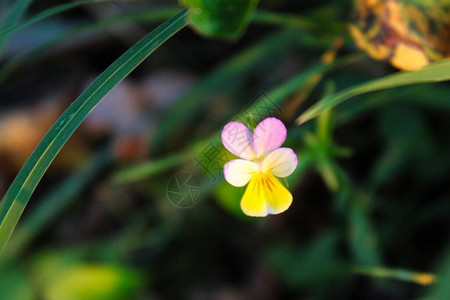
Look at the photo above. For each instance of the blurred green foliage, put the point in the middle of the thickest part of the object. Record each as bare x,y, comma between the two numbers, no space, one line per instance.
371,202
220,18
61,276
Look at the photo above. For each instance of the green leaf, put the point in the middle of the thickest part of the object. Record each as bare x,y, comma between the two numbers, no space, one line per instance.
229,198
220,18
313,265
433,73
28,178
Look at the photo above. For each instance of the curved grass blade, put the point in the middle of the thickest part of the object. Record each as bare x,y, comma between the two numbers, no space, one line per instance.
144,170
28,178
153,15
149,15
260,17
16,12
45,14
433,98
398,274
53,203
433,73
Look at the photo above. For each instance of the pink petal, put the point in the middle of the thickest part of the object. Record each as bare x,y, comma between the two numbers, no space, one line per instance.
280,162
237,138
269,135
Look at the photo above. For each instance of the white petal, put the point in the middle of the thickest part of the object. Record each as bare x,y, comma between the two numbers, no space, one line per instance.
280,162
238,172
269,135
237,138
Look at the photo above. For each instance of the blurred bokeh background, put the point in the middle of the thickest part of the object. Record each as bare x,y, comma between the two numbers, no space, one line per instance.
112,218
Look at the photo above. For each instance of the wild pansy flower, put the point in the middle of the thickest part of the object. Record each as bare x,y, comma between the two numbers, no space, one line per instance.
261,162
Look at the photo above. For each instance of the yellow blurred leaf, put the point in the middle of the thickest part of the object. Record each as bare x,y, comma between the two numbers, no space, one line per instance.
408,58
84,282
408,34
64,275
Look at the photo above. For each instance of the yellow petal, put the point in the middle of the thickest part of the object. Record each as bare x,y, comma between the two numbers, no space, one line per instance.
265,195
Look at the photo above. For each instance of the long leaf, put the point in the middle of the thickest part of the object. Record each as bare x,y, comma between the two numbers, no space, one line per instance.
26,181
433,73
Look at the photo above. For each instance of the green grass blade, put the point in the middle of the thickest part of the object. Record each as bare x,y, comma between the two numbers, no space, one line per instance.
144,170
434,98
53,203
16,12
26,181
46,14
398,274
433,73
151,15
147,15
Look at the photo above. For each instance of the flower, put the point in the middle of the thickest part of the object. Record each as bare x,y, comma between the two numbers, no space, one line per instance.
261,162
